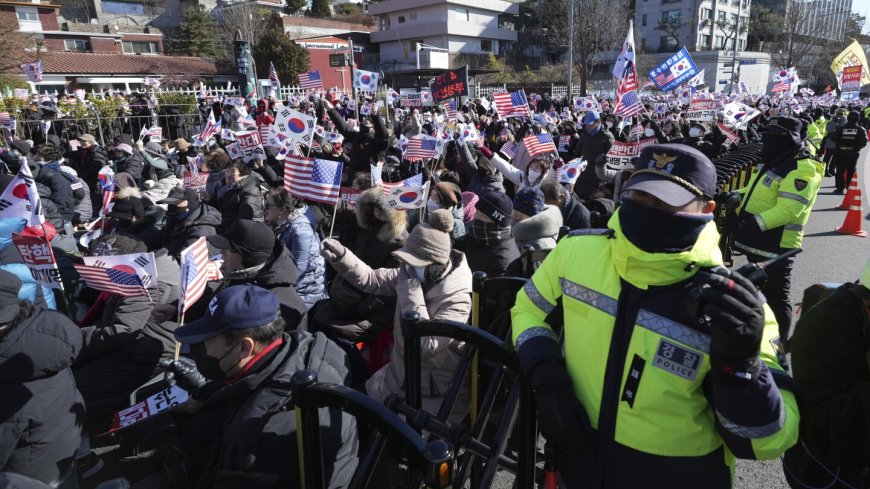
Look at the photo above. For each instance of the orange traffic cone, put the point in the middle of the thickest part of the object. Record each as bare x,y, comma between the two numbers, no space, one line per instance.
852,224
850,193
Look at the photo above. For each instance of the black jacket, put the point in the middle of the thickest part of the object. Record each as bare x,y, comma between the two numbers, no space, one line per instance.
364,148
245,434
241,200
590,147
132,165
575,215
178,235
830,363
87,163
61,191
41,411
493,260
277,276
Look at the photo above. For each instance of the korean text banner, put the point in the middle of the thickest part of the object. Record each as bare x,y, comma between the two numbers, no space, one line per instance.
674,71
853,55
453,83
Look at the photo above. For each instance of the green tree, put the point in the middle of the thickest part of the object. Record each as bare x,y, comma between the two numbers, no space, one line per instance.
293,7
197,35
320,9
290,58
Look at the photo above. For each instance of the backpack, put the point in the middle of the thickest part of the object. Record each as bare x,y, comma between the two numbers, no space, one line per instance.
816,293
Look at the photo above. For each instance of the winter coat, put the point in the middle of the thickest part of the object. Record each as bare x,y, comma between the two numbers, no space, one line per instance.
241,200
128,320
590,147
277,275
575,215
830,362
492,260
87,163
448,299
11,261
352,312
81,196
473,177
253,423
51,176
539,231
49,208
40,428
132,165
157,190
179,234
519,178
364,148
298,236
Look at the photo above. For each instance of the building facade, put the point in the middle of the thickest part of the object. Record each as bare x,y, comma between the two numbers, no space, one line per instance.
824,20
461,27
699,25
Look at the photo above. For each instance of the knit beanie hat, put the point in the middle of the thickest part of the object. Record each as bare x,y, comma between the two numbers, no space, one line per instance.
496,206
429,242
529,201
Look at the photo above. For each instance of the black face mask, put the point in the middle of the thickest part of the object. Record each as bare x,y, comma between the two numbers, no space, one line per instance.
659,231
209,366
774,146
364,129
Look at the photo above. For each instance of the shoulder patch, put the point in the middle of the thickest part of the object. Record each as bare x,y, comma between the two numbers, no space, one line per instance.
591,232
800,184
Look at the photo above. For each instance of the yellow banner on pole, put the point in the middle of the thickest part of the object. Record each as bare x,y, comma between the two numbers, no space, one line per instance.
853,55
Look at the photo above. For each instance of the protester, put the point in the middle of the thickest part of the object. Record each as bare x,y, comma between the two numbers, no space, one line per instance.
241,196
240,431
489,246
187,220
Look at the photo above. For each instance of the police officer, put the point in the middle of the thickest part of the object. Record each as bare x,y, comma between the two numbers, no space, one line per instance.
645,396
817,130
775,208
850,138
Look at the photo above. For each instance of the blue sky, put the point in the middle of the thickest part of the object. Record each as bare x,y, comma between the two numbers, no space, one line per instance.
861,6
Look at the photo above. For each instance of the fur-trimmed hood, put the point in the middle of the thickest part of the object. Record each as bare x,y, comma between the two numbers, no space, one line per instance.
128,192
540,229
366,204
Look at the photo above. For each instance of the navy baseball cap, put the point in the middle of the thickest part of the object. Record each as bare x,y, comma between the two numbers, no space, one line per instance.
676,174
590,117
238,307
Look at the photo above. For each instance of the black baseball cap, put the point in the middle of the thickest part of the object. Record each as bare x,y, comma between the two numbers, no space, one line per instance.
178,194
785,126
676,174
238,307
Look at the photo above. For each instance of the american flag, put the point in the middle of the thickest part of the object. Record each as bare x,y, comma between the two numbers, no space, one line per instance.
112,280
782,86
509,149
509,104
664,78
505,133
194,276
537,144
450,108
107,179
5,118
647,84
311,80
264,133
415,181
273,76
421,147
312,179
628,104
212,127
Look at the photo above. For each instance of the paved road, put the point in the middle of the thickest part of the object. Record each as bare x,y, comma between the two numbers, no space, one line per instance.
828,256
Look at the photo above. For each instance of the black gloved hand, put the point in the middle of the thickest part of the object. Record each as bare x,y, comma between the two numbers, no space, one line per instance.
561,418
736,313
183,372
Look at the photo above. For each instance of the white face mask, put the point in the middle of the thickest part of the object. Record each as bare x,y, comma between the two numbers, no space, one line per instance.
649,132
432,206
609,124
534,175
695,132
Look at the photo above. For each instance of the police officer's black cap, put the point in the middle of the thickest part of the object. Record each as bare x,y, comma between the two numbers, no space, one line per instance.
676,174
785,126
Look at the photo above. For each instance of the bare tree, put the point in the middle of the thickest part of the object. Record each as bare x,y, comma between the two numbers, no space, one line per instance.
730,30
244,16
599,27
671,26
18,47
780,31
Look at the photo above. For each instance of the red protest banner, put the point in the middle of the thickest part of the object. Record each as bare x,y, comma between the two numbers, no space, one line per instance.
195,182
453,83
37,254
851,78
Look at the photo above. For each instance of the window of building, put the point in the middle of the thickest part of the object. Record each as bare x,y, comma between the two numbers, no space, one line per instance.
670,1
141,47
486,45
123,8
705,41
720,42
75,45
385,22
412,16
733,19
27,14
721,15
668,43
401,19
730,43
463,15
643,20
671,17
706,14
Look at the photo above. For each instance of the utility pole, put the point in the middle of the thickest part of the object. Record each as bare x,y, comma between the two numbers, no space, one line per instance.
735,74
570,47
